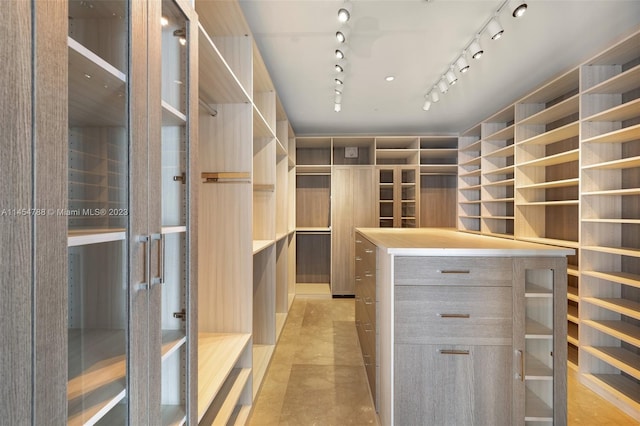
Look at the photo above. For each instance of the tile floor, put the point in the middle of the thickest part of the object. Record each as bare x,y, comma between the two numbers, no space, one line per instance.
316,376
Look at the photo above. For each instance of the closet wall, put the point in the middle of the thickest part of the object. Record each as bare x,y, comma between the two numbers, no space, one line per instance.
246,227
560,166
366,181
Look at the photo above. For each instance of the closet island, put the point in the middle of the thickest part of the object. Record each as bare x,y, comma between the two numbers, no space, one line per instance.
460,328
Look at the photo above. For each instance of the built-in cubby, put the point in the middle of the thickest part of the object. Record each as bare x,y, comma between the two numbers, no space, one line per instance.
469,175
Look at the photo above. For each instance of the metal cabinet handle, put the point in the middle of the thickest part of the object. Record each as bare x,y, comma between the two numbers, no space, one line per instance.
368,251
161,250
358,279
358,258
358,241
453,271
520,374
453,352
368,301
453,315
367,327
144,285
368,274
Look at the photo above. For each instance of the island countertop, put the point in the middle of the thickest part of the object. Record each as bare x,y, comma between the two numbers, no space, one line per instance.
450,242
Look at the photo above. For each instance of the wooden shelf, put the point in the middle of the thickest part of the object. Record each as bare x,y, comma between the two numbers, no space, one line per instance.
535,330
617,329
472,173
617,357
502,134
551,241
572,314
471,202
533,290
563,157
622,251
259,245
94,391
312,230
173,415
572,295
171,342
506,182
396,154
83,237
261,358
473,147
438,153
499,200
624,163
536,409
261,128
506,151
470,188
620,83
612,192
567,131
618,386
536,369
224,405
497,217
621,306
472,162
218,353
438,169
622,112
618,136
217,82
625,278
553,184
312,169
171,116
500,171
560,110
551,203
173,230
97,90
573,270
573,341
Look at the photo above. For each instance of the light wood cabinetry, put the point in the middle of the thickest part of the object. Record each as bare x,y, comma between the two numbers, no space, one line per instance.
403,181
610,213
574,174
247,222
482,319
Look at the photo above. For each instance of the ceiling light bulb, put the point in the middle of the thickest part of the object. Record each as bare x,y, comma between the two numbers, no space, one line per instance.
434,96
476,50
518,8
442,85
389,78
344,13
339,68
451,77
462,64
338,81
342,34
338,98
495,29
337,107
164,21
339,54
427,105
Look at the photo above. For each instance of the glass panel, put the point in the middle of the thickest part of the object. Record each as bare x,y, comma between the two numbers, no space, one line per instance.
175,89
97,211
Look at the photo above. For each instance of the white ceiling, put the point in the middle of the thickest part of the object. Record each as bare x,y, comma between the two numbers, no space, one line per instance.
416,41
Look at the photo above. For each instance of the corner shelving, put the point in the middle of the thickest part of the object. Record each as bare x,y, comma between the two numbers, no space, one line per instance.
469,176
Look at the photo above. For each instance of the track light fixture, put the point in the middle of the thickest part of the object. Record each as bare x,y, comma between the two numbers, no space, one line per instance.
451,77
517,8
338,81
494,29
462,64
427,104
337,107
344,13
442,85
339,54
434,95
475,49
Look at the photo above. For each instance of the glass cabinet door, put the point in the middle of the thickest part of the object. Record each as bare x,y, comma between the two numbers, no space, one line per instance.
174,153
98,182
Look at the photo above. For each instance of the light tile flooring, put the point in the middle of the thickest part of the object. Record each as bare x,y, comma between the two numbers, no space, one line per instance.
316,376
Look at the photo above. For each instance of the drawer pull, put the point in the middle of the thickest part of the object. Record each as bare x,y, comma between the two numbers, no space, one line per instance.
368,251
367,327
368,274
453,352
453,315
453,271
520,374
358,258
358,279
358,241
368,300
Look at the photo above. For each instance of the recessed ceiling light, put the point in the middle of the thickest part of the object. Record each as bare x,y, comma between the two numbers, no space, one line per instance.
339,68
338,81
344,13
518,8
389,78
339,54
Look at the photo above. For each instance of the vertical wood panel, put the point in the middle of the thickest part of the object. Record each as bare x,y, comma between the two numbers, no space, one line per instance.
138,342
341,225
15,231
154,179
50,174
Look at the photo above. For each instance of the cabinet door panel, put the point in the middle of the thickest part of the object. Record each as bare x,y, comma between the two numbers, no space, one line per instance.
452,385
342,251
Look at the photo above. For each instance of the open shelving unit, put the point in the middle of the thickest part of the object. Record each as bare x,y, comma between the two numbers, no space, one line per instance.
610,213
570,151
438,181
247,161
